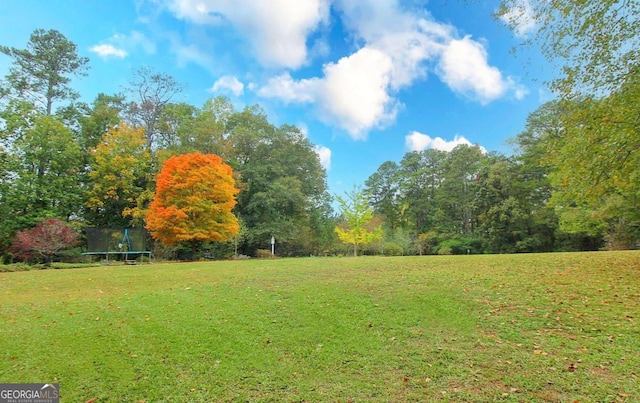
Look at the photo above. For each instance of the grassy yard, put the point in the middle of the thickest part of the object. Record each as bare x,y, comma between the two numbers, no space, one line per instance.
540,327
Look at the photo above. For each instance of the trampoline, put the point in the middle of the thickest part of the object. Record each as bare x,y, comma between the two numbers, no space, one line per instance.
127,244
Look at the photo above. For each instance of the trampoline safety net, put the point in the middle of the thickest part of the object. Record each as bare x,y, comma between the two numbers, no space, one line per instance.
116,240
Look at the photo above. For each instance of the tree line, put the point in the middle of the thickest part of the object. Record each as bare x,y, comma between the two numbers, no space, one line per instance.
96,164
573,183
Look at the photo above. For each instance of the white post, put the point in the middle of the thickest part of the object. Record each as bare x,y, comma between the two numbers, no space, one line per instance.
273,244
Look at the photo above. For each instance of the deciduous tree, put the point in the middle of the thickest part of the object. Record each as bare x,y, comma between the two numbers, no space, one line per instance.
151,92
44,178
46,239
119,175
195,195
596,166
595,41
595,161
98,118
357,214
283,183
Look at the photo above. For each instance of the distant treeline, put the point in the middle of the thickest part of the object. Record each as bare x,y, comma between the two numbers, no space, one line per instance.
96,165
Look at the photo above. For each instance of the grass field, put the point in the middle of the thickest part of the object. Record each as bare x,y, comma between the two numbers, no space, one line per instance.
540,327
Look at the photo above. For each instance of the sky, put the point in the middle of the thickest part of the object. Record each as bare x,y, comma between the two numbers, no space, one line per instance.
367,81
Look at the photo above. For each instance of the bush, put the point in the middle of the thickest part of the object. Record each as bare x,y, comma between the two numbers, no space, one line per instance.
460,245
445,250
393,249
263,254
451,247
71,256
218,250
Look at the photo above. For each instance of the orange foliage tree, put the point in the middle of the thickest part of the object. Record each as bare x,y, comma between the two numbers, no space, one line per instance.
195,194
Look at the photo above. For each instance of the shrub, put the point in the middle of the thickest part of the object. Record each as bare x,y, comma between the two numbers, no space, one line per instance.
460,245
451,247
445,250
218,250
263,254
44,241
393,249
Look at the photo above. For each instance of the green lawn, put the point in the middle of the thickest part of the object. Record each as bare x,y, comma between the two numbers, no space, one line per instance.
539,327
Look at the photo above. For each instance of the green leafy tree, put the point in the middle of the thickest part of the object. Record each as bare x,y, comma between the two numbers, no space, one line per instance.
596,42
42,72
7,226
458,190
606,187
405,195
383,190
201,129
43,175
282,183
356,213
533,145
422,174
531,185
595,161
98,118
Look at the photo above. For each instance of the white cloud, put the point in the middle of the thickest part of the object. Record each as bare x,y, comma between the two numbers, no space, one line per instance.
121,45
519,90
277,30
285,88
417,141
464,68
106,51
324,154
520,17
304,129
352,94
396,48
229,84
190,53
408,39
138,39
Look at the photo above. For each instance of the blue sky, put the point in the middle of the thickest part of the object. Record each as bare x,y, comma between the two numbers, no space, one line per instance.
366,80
